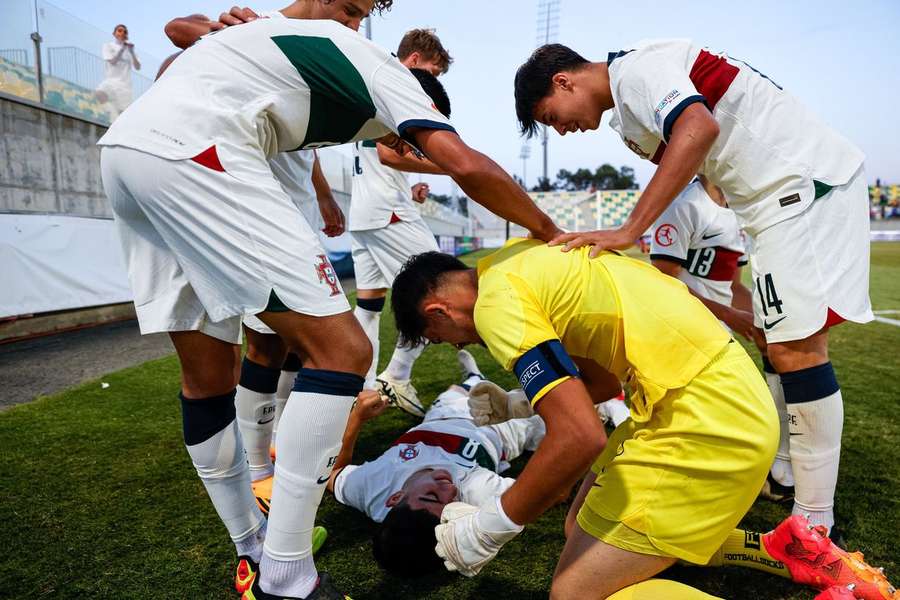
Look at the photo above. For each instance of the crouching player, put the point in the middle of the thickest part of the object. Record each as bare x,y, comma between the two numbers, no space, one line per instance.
674,480
445,459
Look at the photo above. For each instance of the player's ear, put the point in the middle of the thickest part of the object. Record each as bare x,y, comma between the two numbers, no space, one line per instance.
562,81
394,499
436,309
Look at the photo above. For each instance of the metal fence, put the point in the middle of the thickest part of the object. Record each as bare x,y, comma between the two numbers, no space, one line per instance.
50,56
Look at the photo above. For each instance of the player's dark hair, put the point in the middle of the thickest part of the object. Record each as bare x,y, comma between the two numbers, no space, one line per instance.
534,80
434,89
404,544
428,45
420,276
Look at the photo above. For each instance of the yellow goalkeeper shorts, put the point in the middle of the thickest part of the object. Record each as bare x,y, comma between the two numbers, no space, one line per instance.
678,484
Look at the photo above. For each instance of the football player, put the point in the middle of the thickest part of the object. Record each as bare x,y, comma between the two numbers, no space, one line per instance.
673,481
795,184
386,227
446,458
210,235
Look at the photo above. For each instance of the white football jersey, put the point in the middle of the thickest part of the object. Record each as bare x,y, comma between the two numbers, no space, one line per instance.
270,86
772,155
379,192
704,238
293,170
457,445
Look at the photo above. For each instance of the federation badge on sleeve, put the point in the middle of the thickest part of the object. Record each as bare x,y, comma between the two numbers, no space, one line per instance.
665,234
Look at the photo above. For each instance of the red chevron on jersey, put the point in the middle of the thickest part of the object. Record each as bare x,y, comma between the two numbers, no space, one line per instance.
712,75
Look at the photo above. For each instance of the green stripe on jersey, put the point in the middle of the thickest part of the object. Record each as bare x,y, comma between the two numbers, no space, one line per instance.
821,188
339,103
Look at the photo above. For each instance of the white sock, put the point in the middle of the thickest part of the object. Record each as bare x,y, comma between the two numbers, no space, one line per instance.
467,364
213,442
285,385
781,467
252,545
400,367
370,321
309,441
816,411
255,406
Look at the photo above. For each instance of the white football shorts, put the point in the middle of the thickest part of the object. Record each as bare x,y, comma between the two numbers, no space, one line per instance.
378,254
205,247
812,270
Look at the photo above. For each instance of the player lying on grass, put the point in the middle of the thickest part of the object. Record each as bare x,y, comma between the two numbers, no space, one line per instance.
673,481
446,458
795,184
210,235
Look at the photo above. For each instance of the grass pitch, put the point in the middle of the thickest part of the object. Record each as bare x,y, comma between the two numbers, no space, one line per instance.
100,500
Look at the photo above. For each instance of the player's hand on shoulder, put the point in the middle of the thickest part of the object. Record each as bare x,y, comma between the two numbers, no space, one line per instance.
237,16
369,404
612,239
420,192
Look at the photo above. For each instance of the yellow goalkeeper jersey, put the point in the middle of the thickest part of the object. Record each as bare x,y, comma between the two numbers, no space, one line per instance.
641,325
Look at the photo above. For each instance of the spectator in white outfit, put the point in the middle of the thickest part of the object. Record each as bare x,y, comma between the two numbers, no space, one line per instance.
119,55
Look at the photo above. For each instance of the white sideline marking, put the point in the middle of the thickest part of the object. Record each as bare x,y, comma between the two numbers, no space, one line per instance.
886,312
893,322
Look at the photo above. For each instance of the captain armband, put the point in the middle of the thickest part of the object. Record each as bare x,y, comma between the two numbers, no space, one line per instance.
544,367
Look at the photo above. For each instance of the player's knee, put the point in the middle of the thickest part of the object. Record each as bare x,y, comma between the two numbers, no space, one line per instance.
404,543
268,353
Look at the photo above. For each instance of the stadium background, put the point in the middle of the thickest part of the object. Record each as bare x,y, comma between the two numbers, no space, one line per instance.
60,269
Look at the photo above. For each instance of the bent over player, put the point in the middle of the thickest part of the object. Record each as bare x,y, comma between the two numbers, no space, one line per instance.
795,184
209,235
674,480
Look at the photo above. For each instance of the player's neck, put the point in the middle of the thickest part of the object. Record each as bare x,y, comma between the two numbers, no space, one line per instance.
298,10
597,83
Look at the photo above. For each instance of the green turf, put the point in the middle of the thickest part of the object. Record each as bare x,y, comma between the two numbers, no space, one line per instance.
100,499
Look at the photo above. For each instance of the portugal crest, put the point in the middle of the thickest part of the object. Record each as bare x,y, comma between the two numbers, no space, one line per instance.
327,275
408,452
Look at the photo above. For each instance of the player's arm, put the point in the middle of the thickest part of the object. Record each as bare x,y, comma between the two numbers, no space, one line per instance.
369,404
185,31
575,437
332,215
739,320
693,134
741,296
408,162
484,181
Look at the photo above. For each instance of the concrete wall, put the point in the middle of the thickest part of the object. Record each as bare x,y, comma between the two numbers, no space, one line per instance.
49,163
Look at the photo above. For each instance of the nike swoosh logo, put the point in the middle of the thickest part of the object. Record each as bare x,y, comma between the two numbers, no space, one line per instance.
769,326
322,480
264,422
709,237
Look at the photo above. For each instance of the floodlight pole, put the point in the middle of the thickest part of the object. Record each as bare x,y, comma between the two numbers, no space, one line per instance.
547,28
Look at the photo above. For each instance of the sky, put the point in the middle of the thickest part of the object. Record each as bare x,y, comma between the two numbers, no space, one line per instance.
839,58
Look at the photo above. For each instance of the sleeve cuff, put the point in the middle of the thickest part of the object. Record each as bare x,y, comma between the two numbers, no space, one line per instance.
668,257
404,127
676,112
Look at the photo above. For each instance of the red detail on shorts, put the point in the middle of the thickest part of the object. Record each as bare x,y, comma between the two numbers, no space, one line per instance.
724,264
394,219
657,156
449,442
665,234
209,158
712,75
833,319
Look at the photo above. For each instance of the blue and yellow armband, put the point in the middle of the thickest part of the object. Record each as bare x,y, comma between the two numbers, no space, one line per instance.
544,367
